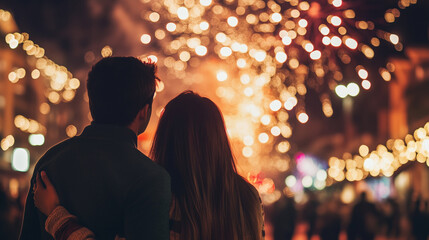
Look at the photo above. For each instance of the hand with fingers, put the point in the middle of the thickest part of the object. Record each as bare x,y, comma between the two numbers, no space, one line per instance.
45,196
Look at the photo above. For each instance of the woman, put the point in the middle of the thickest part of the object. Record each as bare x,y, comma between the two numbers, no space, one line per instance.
210,200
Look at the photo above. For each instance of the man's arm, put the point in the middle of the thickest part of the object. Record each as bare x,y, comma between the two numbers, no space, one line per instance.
30,228
147,208
33,222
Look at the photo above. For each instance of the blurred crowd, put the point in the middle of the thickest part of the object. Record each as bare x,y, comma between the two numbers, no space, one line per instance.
363,219
324,218
11,211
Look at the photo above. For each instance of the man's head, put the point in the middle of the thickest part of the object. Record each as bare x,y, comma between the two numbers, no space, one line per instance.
121,91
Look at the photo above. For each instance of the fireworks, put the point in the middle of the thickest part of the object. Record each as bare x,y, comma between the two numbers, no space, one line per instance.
267,55
261,57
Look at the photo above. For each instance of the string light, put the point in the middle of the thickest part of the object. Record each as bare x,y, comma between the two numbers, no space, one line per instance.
385,160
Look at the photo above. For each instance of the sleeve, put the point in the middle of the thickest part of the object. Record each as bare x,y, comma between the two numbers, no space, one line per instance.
32,223
31,227
64,226
147,205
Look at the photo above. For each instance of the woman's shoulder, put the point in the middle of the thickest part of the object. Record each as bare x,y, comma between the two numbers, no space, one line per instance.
245,186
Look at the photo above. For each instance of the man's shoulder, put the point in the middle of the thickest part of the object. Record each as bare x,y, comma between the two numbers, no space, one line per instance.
146,164
57,148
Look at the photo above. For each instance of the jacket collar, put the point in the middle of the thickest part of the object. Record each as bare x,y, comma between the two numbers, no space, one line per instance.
111,132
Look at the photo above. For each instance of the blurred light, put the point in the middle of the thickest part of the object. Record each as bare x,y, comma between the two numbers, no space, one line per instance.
35,74
351,43
221,76
290,181
295,13
232,21
385,74
324,30
363,150
245,79
71,130
20,72
303,23
54,97
286,40
265,119
309,47
160,34
248,91
363,73
275,105
241,63
353,89
7,142
315,55
307,181
321,175
225,51
326,40
283,147
302,117
154,17
204,25
263,138
183,13
201,50
348,194
275,131
336,21
276,17
366,84
336,41
36,139
260,56
375,42
341,91
145,38
368,52
20,159
337,3
281,57
290,103
248,140
185,56
106,51
319,185
247,151
13,43
171,27
205,2
13,78
74,83
394,38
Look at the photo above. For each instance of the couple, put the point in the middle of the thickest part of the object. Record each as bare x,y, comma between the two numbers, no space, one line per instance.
104,188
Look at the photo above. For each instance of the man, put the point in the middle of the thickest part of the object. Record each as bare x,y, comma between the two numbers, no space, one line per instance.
100,176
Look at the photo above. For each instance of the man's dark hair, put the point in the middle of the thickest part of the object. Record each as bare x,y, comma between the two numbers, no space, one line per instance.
119,87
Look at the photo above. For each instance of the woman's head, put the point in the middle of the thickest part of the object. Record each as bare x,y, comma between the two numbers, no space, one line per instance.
192,141
192,145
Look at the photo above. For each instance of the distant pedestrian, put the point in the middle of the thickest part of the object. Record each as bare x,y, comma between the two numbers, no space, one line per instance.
364,220
419,221
284,219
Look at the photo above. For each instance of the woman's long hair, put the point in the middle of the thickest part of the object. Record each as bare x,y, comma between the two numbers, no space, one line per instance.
211,200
